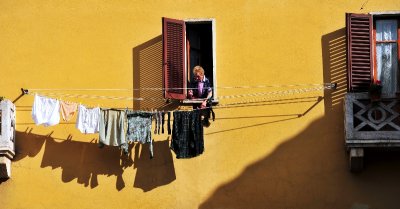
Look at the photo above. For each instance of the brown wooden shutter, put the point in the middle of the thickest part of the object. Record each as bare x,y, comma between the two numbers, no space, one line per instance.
359,52
174,71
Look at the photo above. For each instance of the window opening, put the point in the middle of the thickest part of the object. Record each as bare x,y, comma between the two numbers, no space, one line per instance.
1,124
199,49
373,51
200,36
386,54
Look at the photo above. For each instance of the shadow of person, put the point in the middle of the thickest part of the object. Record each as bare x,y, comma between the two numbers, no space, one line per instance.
84,161
156,172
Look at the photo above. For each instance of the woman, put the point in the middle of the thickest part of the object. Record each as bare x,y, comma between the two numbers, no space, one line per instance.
200,87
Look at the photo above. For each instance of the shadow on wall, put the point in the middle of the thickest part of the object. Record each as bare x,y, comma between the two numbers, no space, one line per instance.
85,161
28,144
334,54
310,170
152,173
279,117
147,73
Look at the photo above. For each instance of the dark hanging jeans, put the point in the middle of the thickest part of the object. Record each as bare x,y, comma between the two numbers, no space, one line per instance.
187,134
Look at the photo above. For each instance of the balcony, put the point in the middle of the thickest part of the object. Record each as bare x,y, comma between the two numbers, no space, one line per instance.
369,124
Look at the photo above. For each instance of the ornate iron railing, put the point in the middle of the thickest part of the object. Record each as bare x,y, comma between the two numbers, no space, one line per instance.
371,124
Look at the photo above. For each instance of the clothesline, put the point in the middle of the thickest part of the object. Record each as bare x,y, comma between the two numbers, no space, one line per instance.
227,105
47,111
325,85
115,127
276,93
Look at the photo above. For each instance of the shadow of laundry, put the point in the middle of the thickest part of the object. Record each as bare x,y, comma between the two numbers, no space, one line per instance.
28,144
156,172
85,161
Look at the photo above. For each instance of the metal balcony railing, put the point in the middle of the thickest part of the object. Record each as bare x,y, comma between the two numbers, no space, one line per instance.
369,124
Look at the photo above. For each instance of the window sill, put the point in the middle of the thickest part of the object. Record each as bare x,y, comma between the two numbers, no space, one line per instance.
197,101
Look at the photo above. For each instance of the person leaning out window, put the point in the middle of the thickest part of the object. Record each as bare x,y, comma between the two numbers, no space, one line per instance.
200,88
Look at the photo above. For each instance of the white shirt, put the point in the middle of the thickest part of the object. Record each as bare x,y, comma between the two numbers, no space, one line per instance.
45,111
88,120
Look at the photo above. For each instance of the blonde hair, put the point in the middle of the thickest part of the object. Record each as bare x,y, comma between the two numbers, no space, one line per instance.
198,69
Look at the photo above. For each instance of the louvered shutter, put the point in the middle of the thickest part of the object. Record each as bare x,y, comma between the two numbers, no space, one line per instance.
174,70
359,52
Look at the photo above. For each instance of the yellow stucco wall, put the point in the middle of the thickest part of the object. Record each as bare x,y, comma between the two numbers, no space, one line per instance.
256,156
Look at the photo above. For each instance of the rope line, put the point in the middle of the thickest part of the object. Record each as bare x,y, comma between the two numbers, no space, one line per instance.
326,85
264,99
274,93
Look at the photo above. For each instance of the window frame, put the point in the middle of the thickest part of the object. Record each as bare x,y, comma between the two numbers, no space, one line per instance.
362,68
393,15
186,62
214,50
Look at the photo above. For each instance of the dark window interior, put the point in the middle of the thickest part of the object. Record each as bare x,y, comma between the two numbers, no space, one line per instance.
1,117
199,35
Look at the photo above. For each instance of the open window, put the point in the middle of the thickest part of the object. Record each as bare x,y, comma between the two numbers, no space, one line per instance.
373,51
187,43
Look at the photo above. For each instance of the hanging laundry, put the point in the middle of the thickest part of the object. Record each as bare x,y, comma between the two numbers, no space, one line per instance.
112,129
45,111
157,121
187,134
88,119
206,114
162,123
169,123
139,128
68,110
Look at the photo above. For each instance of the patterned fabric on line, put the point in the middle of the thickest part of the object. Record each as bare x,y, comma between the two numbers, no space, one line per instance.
139,128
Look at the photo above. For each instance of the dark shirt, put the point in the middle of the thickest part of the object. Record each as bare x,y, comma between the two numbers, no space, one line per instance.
187,134
205,91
